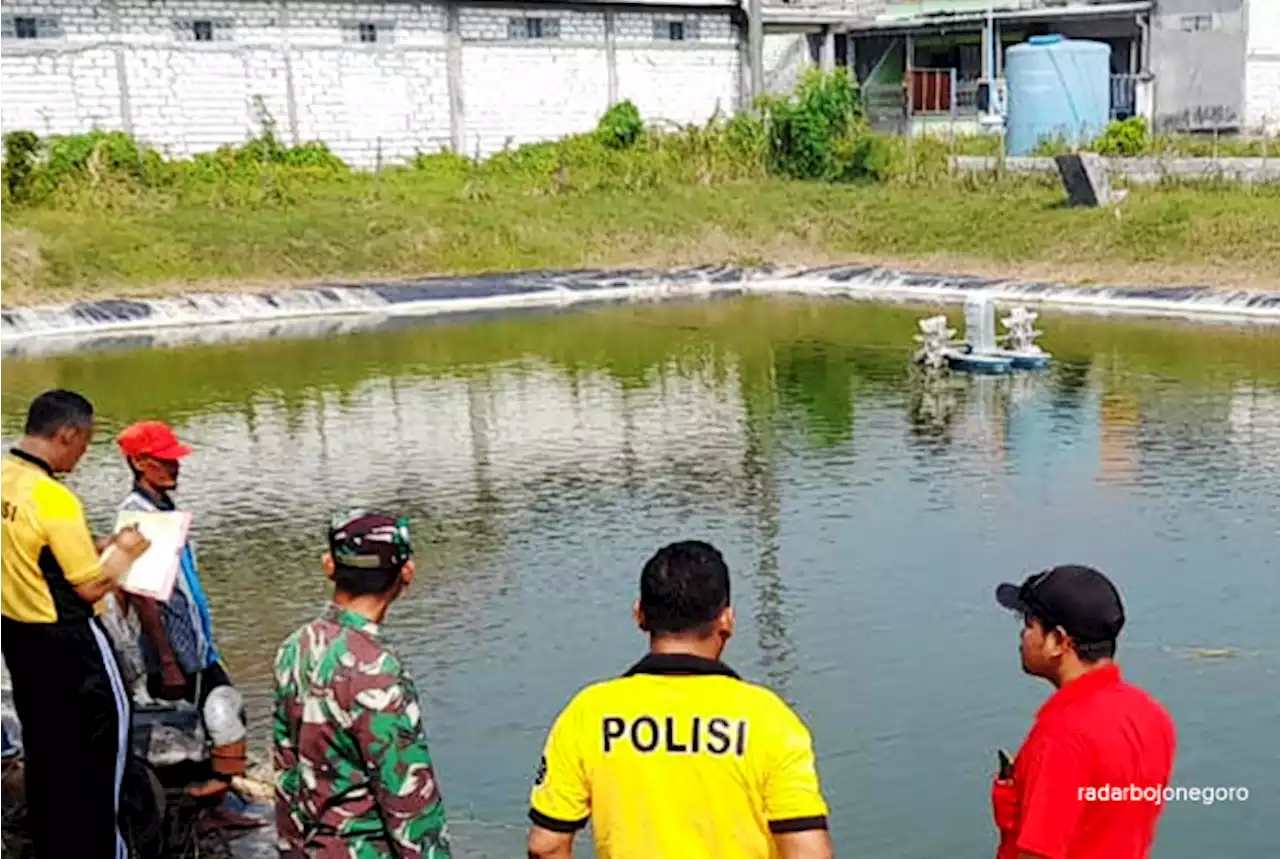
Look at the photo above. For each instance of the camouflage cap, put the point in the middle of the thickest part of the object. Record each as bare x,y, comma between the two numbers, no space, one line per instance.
369,540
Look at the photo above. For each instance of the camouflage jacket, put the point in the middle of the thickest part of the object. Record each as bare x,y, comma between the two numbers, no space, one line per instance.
353,774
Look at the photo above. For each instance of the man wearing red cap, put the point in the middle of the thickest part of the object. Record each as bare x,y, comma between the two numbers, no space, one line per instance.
177,648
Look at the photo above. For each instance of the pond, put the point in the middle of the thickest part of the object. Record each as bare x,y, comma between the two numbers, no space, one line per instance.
866,511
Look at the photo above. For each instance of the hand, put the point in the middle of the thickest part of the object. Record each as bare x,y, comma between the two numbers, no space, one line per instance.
131,541
173,683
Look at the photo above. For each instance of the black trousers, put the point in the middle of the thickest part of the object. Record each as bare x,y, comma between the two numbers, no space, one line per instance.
74,710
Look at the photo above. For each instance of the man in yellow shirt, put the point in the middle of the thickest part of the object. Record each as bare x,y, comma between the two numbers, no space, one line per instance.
680,758
67,690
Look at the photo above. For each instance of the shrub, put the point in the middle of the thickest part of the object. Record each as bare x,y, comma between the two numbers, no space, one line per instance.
1123,138
807,130
21,149
621,126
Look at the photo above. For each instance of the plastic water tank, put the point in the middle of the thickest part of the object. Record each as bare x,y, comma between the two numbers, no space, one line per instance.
1058,88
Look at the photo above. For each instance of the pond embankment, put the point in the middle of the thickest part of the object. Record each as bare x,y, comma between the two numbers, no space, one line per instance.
336,308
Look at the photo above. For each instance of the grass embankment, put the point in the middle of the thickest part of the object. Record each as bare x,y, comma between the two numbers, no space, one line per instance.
802,182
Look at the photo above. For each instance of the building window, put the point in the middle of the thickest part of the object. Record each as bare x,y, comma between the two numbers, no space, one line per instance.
201,30
1195,23
30,27
675,31
533,28
368,32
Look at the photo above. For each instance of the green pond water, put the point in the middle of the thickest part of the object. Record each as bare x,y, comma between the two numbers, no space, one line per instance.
866,512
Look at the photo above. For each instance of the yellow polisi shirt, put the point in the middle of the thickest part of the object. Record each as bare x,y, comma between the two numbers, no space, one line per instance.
679,758
45,545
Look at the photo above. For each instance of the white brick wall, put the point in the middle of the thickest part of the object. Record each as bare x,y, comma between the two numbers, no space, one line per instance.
60,94
80,19
521,94
638,26
391,96
1262,66
679,87
487,24
359,101
679,82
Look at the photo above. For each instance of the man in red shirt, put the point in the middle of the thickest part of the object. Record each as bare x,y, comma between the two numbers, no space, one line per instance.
1089,780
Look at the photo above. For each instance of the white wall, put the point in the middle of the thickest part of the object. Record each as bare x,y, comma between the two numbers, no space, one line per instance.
1262,66
298,61
660,77
522,92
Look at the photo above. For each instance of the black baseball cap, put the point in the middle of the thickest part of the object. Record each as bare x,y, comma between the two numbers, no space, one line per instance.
1077,598
369,540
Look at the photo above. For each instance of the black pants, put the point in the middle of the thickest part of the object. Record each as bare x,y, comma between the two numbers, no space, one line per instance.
74,710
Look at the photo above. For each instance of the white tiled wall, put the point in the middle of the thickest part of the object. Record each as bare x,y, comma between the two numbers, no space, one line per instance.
1262,66
364,100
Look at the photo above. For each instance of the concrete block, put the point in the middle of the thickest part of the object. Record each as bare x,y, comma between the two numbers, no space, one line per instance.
1085,176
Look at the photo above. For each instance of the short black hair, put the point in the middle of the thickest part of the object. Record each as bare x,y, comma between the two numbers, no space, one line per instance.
683,588
1092,651
1088,651
359,583
55,410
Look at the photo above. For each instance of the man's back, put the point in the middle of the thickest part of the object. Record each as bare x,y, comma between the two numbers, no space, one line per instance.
1095,736
354,776
679,758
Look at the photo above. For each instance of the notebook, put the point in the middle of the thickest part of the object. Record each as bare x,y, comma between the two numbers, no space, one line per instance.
155,572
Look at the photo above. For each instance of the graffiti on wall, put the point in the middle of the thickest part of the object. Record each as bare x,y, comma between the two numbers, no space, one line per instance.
1203,117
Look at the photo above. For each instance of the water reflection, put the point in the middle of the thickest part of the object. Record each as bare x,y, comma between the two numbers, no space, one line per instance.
865,507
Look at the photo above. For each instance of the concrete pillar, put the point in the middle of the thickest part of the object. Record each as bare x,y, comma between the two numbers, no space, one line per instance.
122,71
827,53
290,93
611,53
999,48
988,64
453,74
908,63
755,46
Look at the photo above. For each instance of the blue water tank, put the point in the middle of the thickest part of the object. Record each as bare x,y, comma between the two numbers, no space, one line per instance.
1058,88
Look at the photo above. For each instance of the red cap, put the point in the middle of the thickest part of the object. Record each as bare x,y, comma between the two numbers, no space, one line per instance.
151,438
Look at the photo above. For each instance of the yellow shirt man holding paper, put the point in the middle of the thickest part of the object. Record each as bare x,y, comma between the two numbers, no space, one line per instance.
67,688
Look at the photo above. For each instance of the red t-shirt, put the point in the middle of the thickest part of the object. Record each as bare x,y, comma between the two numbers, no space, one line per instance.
1089,779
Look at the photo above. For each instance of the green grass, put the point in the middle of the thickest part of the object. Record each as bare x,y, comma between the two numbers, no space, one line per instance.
101,214
411,224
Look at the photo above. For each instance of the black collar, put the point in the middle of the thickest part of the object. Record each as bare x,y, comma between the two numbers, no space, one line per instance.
34,460
163,503
680,663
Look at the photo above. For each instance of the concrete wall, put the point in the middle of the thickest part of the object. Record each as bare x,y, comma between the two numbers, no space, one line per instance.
436,76
1262,66
1198,58
787,56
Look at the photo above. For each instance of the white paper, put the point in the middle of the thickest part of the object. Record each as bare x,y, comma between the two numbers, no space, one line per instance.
155,572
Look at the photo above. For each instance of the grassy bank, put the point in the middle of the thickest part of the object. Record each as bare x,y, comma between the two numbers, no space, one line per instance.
801,182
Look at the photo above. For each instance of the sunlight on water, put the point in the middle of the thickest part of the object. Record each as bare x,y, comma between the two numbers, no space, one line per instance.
866,512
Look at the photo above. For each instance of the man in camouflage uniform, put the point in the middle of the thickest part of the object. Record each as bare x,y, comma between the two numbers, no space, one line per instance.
353,775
